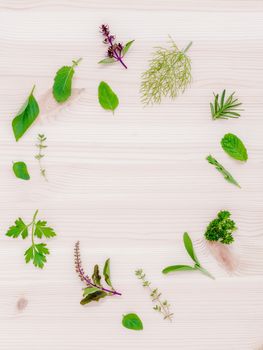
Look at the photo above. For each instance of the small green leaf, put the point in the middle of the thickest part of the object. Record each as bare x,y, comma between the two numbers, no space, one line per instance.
20,228
189,247
107,98
233,146
26,116
96,277
177,268
106,272
89,290
20,170
37,253
127,47
107,60
42,230
132,321
96,296
63,81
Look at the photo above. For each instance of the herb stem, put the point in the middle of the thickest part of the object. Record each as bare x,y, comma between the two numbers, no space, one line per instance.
115,53
188,47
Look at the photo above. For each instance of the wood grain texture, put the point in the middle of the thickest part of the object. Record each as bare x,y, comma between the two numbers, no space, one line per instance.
128,186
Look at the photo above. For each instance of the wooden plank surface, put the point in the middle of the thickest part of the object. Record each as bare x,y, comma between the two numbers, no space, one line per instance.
127,186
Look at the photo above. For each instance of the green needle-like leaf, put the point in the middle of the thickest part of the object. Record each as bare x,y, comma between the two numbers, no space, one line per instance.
20,170
226,108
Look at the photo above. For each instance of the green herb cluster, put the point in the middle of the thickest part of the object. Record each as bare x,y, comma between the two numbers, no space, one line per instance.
226,107
221,229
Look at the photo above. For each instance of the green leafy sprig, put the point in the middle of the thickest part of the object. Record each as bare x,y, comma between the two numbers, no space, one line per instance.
224,108
41,145
169,74
162,306
190,250
221,228
37,252
94,290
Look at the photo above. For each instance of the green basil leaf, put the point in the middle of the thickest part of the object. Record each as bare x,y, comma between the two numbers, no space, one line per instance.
132,321
96,296
107,98
20,170
189,247
26,116
127,47
177,268
106,272
233,146
63,81
89,290
96,277
107,60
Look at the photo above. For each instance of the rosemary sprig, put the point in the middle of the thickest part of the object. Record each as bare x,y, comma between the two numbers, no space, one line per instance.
168,75
226,108
40,145
161,306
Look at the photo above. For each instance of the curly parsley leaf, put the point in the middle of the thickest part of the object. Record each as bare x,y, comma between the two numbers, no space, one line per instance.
63,81
20,170
26,116
233,146
221,228
107,97
20,228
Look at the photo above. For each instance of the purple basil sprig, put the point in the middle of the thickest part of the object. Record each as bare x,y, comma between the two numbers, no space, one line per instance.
116,51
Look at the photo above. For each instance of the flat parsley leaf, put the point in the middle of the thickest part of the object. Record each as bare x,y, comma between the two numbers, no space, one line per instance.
42,230
20,228
37,253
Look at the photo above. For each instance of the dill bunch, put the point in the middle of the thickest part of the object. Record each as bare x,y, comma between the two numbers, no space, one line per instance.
168,75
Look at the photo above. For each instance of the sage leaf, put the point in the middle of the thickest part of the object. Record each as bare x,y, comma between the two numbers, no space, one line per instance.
177,268
95,296
96,277
189,247
63,81
233,146
107,98
26,116
127,47
106,272
20,170
107,60
132,321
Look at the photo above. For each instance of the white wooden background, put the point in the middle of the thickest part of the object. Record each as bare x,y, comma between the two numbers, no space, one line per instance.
127,186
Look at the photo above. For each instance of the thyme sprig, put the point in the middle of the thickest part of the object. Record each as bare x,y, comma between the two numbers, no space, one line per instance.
41,145
168,75
226,107
161,306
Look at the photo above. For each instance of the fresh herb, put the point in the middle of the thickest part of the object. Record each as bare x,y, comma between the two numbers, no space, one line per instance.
226,108
20,170
63,81
168,75
107,98
37,252
233,146
221,228
116,51
41,145
26,116
132,321
161,306
94,290
190,250
222,170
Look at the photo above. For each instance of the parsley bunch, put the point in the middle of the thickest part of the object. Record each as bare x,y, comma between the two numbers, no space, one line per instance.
221,228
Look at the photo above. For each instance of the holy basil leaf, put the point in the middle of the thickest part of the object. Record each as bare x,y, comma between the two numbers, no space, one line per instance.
132,321
106,272
177,268
20,170
42,230
107,60
96,277
26,116
127,47
63,81
107,98
189,247
233,146
96,296
20,228
89,290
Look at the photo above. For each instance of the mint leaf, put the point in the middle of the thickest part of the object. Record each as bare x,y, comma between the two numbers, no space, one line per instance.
42,230
107,98
20,170
26,116
106,272
127,47
107,60
96,277
132,321
177,268
233,146
20,228
63,81
189,247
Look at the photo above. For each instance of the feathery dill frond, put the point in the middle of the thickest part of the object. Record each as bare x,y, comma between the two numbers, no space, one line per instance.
168,75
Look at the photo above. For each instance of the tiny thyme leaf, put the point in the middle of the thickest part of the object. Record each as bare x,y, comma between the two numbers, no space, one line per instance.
41,145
